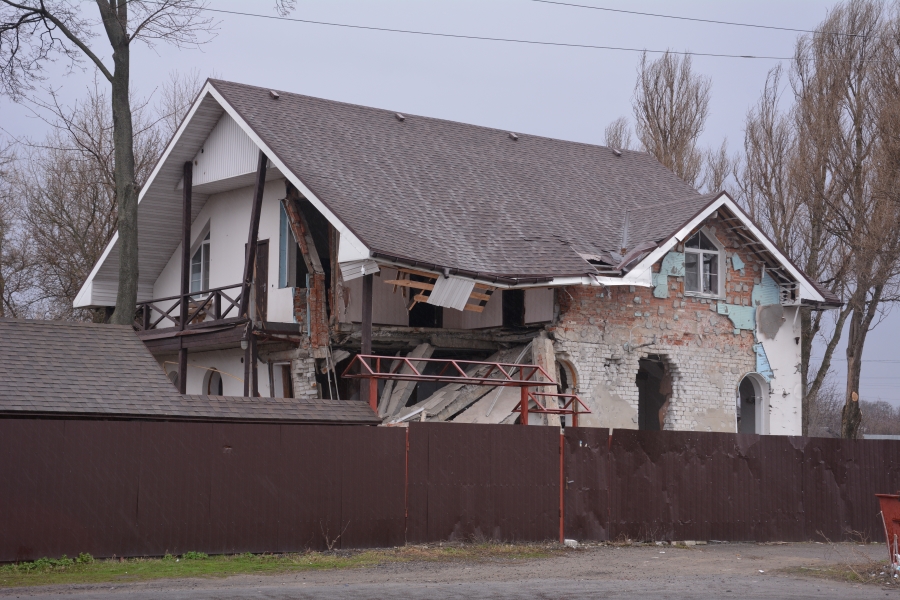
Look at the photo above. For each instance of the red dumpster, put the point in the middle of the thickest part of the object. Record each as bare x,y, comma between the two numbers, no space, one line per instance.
890,514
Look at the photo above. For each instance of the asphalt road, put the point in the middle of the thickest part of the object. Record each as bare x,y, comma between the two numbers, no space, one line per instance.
717,571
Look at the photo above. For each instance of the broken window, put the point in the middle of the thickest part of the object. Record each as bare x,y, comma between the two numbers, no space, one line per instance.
701,265
513,308
200,267
654,384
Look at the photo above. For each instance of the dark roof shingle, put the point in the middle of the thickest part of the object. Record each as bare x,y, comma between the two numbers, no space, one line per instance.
91,370
464,196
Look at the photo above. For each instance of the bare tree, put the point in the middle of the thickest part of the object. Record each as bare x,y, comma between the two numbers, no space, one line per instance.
717,167
822,182
618,134
15,266
783,183
178,93
671,104
67,186
35,31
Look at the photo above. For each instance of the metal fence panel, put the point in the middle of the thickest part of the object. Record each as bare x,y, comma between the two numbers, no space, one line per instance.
587,483
479,482
373,495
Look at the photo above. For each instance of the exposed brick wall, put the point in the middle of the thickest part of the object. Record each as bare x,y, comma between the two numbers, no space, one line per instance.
704,352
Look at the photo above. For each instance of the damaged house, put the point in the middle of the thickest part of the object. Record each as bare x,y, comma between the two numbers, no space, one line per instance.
282,235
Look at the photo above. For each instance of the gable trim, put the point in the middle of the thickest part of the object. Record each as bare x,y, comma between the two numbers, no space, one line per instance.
807,288
357,250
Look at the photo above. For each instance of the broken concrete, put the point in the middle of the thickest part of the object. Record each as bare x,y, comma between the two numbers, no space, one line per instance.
403,389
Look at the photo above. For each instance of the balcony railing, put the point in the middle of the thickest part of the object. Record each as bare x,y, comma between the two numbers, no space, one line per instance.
202,308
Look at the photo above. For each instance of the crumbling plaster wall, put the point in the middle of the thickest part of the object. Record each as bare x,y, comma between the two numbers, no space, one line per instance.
603,333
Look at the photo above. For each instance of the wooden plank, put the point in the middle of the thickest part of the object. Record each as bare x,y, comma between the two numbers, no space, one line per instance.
469,307
420,285
478,285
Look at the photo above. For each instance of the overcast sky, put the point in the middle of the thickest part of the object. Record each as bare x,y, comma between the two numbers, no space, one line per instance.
567,93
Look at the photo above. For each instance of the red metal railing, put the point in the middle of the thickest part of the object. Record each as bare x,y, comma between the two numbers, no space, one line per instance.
570,406
371,366
374,367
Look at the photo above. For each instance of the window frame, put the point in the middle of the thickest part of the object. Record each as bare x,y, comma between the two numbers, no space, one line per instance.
720,275
203,249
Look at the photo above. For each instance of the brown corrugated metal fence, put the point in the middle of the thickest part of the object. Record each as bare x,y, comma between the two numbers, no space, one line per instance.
477,482
145,488
719,486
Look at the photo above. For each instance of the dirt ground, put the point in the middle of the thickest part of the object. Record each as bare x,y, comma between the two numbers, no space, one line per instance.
711,571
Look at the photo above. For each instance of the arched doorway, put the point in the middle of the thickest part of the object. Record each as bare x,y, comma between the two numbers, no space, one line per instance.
751,404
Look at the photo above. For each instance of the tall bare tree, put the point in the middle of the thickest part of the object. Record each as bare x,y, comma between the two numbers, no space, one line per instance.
818,179
67,188
671,104
33,32
16,279
783,183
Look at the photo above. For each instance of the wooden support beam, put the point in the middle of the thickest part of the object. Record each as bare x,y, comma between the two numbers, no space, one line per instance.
368,390
188,172
253,234
303,235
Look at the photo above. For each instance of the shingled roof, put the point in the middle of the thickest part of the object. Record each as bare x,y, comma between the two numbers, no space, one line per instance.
55,368
464,196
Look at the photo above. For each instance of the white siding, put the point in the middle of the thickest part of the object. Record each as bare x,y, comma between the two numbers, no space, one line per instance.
228,215
227,152
785,391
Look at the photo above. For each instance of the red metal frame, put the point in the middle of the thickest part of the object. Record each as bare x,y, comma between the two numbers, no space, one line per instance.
570,406
369,366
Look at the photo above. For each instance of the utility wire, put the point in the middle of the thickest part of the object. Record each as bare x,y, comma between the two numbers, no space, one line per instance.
491,39
695,19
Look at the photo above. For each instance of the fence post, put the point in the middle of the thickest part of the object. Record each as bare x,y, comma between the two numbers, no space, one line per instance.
562,487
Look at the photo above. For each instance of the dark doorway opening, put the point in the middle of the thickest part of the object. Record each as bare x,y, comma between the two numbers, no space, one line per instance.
654,385
513,308
747,414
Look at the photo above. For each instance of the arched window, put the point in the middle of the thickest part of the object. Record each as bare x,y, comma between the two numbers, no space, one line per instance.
214,384
703,263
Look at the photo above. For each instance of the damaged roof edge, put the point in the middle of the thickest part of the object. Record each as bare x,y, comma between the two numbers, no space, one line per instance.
723,199
503,280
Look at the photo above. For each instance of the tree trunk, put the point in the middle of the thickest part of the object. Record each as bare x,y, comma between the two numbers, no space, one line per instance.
126,189
851,416
806,340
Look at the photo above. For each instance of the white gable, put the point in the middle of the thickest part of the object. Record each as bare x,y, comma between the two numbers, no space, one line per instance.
227,153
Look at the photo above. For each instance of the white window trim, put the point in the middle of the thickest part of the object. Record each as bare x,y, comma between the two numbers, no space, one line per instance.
204,268
720,249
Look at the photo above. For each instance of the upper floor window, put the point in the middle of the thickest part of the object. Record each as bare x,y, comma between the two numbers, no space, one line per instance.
200,267
291,266
702,263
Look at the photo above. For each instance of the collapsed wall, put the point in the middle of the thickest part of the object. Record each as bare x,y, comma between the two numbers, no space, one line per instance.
703,346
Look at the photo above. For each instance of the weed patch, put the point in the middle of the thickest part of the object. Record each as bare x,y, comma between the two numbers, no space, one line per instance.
85,569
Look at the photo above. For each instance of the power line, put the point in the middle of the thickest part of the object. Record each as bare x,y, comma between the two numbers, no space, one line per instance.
491,39
695,19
